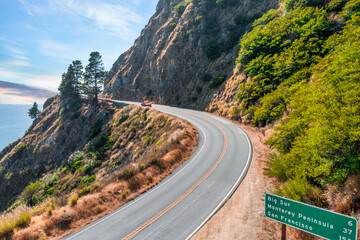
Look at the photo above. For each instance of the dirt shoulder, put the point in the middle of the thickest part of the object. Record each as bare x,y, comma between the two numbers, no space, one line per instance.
242,217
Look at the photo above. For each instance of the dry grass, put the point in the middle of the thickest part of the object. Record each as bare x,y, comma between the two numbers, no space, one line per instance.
56,219
19,218
27,234
73,200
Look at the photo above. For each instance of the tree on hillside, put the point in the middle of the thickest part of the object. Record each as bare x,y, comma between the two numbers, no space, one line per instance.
34,111
94,76
78,74
71,81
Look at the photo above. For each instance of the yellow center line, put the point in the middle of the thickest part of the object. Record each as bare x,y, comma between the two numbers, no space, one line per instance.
136,231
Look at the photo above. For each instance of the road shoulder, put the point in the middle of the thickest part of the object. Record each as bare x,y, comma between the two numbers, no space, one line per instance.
242,216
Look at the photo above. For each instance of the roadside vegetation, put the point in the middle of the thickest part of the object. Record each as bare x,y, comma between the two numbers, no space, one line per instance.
124,154
302,61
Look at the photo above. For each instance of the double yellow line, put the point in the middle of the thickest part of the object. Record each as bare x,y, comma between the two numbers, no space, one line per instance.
136,231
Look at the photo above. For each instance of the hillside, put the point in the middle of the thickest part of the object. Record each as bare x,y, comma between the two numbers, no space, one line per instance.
79,160
288,71
293,76
185,52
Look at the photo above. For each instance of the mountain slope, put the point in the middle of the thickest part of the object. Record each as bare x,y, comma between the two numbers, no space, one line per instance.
185,52
79,150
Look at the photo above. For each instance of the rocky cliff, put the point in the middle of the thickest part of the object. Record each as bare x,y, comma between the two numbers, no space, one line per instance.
186,51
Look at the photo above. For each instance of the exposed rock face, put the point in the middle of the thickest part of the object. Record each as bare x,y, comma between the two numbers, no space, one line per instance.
178,53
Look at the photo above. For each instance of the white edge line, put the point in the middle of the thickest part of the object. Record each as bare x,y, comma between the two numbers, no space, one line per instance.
148,193
232,190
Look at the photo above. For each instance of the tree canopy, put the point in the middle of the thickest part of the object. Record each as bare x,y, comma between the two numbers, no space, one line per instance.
34,111
94,76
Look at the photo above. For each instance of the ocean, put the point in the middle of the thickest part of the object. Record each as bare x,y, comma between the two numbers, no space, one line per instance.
14,121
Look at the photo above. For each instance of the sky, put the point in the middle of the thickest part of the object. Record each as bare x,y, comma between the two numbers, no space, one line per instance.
40,38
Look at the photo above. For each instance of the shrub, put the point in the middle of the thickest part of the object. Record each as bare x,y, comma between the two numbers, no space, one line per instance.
198,18
19,217
206,77
292,4
87,181
142,166
234,112
226,3
336,5
95,129
180,8
295,189
217,81
128,172
172,26
84,191
350,9
73,200
99,209
212,49
63,220
8,175
267,17
31,193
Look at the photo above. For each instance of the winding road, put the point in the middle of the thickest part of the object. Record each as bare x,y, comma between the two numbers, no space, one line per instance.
183,202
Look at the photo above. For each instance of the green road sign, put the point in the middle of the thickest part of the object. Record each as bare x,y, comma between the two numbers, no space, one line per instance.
314,220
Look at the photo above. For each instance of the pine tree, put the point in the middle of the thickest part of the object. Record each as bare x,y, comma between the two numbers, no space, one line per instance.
78,75
94,77
34,111
71,81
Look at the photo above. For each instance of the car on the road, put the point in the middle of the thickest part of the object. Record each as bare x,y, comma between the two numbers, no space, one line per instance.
146,104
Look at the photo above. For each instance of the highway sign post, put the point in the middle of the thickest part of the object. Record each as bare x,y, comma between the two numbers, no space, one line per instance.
311,219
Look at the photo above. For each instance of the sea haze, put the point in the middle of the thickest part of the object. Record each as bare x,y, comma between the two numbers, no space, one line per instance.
14,121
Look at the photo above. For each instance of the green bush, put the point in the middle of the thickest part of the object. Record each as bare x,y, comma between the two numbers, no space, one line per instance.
267,17
274,52
217,81
212,49
198,18
336,5
84,191
226,3
180,8
235,112
87,181
76,165
95,129
206,77
351,8
31,194
172,26
295,189
292,4
73,200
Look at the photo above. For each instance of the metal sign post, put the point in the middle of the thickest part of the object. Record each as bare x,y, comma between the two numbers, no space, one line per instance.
283,231
311,219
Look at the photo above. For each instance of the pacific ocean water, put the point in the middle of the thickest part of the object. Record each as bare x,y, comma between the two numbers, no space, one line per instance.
14,121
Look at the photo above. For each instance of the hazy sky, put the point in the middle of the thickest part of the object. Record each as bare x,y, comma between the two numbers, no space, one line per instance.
40,38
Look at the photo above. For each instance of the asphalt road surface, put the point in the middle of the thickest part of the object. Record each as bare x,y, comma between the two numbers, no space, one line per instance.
178,206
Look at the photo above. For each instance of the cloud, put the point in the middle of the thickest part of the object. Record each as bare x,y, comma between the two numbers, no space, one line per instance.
36,80
4,74
115,18
21,57
56,49
20,63
14,50
14,93
44,81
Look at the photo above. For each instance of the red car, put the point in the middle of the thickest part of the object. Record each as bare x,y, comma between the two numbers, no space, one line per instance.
146,104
